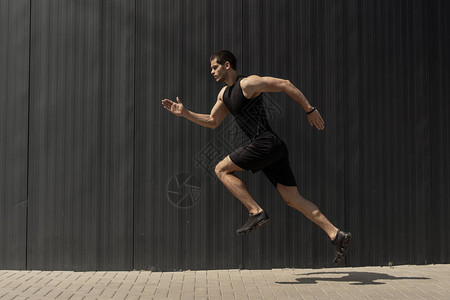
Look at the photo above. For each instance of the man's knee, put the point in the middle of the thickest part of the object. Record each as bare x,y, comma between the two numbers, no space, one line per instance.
226,166
220,169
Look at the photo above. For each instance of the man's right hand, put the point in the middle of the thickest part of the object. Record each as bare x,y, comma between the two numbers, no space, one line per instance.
175,108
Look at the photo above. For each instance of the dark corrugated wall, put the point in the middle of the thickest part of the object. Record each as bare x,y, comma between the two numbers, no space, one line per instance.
14,54
116,182
393,139
440,131
80,211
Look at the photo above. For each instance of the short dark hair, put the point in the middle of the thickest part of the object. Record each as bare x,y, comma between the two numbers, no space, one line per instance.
224,56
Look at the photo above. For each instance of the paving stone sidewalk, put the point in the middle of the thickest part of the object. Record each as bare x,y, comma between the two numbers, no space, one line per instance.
399,282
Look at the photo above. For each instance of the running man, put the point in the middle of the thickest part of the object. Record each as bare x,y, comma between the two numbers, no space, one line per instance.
242,96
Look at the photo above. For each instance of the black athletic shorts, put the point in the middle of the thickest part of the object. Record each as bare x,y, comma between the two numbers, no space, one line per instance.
267,152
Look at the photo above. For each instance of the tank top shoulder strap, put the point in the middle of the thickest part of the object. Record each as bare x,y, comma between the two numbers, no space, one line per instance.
229,89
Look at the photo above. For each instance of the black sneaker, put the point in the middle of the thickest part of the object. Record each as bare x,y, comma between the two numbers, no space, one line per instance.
340,245
253,222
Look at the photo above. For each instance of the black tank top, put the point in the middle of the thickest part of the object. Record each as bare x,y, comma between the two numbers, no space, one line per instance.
249,114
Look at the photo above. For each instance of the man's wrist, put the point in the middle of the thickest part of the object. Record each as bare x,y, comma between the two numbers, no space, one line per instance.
309,109
185,113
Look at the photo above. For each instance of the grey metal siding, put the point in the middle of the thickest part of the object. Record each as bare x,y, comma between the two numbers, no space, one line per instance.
114,181
81,135
14,53
439,131
394,145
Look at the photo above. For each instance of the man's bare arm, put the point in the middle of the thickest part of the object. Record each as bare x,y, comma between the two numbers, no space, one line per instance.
213,120
218,112
254,85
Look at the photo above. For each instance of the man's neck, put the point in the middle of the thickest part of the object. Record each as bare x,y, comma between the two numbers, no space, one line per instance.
232,78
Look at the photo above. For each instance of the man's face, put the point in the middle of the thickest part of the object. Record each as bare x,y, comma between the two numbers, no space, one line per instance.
218,71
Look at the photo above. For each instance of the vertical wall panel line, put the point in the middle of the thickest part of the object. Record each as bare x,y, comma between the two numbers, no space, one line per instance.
28,139
134,140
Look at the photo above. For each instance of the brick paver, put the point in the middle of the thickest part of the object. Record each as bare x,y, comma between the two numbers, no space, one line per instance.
399,282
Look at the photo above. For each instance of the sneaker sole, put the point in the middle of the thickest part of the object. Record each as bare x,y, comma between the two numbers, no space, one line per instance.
343,251
259,224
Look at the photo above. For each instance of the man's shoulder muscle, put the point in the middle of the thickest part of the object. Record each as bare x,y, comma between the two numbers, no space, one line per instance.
250,80
256,85
250,86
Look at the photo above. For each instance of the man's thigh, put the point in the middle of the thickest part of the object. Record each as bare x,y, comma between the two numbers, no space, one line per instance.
281,173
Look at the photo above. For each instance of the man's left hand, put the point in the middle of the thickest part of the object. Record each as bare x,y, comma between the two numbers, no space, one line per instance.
315,119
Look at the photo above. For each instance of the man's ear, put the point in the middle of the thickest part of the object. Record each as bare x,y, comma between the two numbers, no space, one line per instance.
227,65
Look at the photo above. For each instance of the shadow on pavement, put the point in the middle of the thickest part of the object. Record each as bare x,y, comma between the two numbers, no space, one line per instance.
356,278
